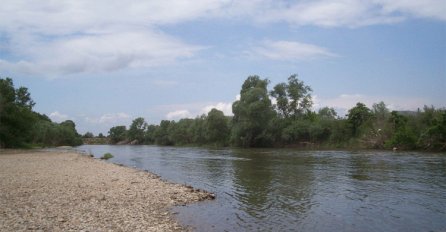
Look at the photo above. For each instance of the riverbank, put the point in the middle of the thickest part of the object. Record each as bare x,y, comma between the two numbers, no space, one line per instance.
59,191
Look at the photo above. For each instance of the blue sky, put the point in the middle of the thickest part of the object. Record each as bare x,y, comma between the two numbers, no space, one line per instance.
103,63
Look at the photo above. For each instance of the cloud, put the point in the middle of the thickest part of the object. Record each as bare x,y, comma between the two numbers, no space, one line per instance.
114,118
434,9
58,117
338,13
225,107
100,53
178,114
54,38
289,50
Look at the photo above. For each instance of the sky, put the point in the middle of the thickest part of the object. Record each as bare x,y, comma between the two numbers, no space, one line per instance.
104,63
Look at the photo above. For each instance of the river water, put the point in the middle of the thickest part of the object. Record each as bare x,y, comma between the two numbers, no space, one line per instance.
290,190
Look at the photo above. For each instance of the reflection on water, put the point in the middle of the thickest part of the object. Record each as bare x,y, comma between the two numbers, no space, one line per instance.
288,190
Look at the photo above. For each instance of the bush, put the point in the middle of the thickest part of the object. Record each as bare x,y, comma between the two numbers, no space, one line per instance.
107,156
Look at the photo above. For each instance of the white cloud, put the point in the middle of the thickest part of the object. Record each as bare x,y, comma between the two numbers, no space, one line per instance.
100,52
65,37
225,107
435,9
289,50
338,13
178,114
109,119
58,117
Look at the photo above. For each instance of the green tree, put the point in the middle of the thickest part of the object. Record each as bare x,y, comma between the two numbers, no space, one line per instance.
16,115
252,114
280,93
300,96
380,111
88,135
161,133
67,134
217,130
357,116
327,113
117,134
403,136
137,130
293,98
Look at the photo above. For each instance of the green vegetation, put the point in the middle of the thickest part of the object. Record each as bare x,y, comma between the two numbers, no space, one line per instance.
107,156
257,122
21,127
291,122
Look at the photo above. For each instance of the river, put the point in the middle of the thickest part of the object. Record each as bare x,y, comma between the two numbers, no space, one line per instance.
291,190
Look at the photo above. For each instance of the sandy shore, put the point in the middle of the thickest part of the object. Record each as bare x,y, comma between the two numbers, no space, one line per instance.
51,191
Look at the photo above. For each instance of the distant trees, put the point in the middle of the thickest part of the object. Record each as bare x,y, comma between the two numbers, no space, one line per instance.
117,134
88,135
20,126
291,122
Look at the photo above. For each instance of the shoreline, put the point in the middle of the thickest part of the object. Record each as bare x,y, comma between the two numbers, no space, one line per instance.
65,190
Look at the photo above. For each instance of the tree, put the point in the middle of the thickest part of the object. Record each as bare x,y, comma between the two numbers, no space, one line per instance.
217,129
327,113
380,111
100,135
300,97
252,114
402,137
117,134
357,116
16,115
68,134
88,135
293,98
280,93
162,133
137,130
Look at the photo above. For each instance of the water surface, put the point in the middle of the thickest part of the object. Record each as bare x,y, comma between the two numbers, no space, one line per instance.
289,190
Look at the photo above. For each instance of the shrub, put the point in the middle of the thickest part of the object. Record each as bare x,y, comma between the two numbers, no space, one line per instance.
107,156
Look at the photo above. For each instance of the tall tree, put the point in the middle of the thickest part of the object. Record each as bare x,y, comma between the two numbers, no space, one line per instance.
137,130
252,114
300,96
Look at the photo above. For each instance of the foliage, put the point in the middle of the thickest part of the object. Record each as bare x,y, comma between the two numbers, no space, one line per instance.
358,116
293,98
88,135
291,122
117,134
107,156
252,114
137,129
20,126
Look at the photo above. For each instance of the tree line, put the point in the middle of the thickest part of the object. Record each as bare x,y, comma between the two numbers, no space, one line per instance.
21,127
291,122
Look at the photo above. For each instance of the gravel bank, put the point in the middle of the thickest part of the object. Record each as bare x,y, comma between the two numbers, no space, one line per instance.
56,191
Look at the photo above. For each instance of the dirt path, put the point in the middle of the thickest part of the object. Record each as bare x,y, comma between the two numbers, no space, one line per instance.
51,191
